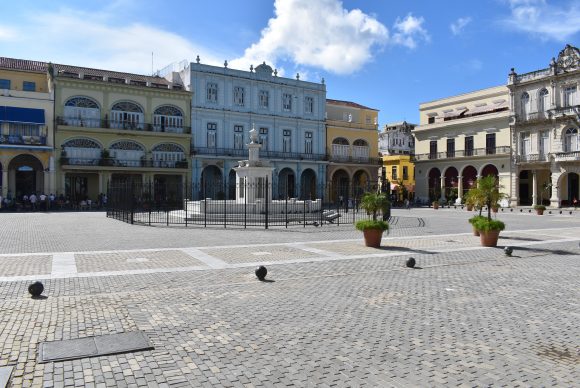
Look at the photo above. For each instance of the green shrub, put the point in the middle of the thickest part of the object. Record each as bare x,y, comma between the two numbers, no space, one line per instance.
372,224
485,225
540,207
474,219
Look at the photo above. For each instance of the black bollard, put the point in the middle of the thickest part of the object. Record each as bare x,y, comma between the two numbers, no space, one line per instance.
508,251
410,263
36,288
261,272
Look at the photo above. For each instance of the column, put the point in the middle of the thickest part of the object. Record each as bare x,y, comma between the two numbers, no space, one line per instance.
442,198
555,198
4,180
459,189
534,188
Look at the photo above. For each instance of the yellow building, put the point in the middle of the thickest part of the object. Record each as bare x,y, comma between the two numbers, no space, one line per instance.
460,139
352,147
26,130
114,128
396,145
400,172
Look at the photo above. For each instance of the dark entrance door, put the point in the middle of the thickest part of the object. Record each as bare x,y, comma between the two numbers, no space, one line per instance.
573,187
25,181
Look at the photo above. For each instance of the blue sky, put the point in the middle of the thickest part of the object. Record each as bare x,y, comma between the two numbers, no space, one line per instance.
386,54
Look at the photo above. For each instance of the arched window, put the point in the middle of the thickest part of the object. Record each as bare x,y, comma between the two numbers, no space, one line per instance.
168,118
340,148
543,101
571,140
82,151
167,155
360,150
127,115
82,112
127,153
525,105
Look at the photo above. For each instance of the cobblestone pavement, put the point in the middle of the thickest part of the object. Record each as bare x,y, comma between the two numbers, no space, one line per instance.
334,312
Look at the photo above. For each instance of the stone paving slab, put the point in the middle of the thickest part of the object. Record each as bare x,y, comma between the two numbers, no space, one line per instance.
120,261
5,373
25,265
251,254
93,346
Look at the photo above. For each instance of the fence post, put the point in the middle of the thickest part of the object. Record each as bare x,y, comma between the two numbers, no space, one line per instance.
132,204
304,212
245,204
225,206
185,200
204,208
286,211
266,204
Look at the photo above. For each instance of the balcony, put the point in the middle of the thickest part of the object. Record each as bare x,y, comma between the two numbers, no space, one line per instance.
504,150
243,153
533,158
355,159
552,114
123,125
23,140
571,156
112,162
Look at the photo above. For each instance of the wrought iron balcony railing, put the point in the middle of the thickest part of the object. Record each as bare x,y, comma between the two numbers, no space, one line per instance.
23,140
124,125
243,153
504,150
112,162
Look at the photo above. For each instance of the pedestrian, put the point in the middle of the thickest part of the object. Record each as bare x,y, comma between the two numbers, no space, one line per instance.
575,203
407,204
33,199
42,198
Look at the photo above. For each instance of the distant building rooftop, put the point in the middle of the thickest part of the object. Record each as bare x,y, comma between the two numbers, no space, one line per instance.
349,104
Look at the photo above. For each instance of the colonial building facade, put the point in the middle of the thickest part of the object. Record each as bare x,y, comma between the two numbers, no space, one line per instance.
397,145
26,129
287,113
459,139
352,147
545,126
114,128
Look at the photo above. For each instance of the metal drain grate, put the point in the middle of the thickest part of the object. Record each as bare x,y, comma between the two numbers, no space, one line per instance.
94,346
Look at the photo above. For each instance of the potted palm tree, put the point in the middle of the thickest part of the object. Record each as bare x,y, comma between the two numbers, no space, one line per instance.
489,196
373,229
540,209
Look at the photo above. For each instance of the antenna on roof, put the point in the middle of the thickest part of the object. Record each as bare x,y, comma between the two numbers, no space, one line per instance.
152,72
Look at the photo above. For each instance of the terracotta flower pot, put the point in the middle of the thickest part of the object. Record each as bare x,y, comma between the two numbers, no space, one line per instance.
540,212
475,231
435,206
373,237
494,209
469,208
489,239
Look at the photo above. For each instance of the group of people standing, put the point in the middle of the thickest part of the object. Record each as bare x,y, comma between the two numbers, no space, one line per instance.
43,202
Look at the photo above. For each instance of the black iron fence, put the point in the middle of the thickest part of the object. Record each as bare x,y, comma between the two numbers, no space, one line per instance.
239,205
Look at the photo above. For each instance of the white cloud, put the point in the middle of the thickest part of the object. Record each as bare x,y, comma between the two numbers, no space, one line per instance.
546,21
7,33
319,34
409,31
95,40
458,26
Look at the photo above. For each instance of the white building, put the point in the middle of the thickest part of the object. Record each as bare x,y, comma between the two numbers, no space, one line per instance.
396,139
288,114
545,126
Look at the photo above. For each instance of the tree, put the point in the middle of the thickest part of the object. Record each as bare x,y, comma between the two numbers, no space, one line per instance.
488,193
